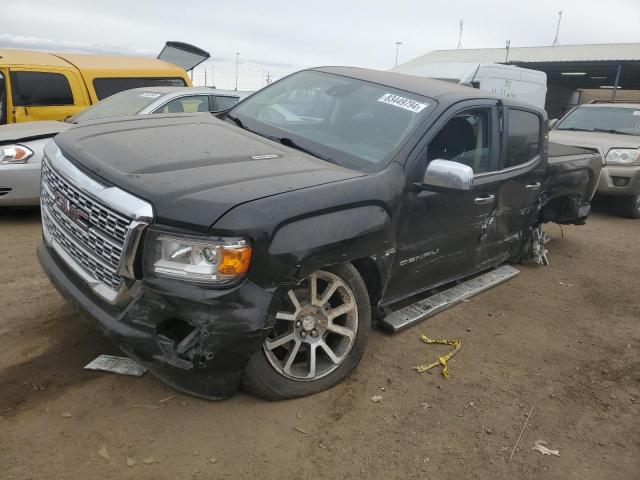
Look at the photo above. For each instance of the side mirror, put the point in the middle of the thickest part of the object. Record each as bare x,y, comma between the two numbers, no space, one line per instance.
552,123
448,175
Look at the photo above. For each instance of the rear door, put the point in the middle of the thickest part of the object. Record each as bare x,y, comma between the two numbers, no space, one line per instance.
440,231
39,94
519,183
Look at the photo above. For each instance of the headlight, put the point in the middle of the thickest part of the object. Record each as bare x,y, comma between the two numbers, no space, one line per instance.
14,154
623,156
198,259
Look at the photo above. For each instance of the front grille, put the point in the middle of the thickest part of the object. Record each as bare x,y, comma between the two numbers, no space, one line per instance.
92,234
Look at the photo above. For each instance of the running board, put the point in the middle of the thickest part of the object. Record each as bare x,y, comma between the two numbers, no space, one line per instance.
427,307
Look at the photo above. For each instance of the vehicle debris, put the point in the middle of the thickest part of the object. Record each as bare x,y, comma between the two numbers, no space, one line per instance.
521,432
376,398
104,453
441,360
120,365
540,447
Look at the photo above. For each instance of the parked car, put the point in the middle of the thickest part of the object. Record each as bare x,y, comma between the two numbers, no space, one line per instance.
257,247
614,130
21,145
51,86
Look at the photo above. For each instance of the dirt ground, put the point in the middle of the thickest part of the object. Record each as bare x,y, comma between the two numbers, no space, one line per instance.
564,339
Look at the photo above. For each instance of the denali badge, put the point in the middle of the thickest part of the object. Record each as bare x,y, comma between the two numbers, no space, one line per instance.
71,210
407,261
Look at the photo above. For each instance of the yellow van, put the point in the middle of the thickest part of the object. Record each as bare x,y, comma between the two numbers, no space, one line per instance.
51,86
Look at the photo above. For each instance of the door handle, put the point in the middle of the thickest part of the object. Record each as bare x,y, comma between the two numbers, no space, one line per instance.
485,200
533,186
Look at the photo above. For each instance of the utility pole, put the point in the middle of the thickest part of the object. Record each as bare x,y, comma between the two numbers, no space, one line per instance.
268,78
555,40
507,46
213,78
237,59
397,48
460,34
205,76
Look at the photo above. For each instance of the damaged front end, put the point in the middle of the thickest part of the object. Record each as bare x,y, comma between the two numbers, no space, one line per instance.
195,340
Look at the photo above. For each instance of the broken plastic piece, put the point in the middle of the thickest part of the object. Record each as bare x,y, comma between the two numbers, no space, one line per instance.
540,447
120,365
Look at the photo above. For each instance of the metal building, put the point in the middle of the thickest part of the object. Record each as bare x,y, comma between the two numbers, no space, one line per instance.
570,69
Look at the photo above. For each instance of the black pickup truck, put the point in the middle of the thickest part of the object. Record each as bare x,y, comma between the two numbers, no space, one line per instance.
255,246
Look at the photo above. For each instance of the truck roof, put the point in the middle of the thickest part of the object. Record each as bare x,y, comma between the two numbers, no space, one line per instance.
103,65
411,83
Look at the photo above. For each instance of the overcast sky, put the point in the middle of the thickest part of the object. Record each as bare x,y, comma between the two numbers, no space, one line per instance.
278,37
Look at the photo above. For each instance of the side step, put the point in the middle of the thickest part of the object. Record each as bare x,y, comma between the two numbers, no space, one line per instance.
427,307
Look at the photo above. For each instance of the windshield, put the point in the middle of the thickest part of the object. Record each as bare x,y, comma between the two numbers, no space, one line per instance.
621,120
129,102
350,122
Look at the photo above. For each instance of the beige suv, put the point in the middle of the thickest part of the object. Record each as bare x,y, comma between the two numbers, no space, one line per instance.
614,130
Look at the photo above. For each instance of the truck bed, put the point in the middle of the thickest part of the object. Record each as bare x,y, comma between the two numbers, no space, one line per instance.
571,182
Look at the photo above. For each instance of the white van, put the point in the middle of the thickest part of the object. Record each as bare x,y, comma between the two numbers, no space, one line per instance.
523,84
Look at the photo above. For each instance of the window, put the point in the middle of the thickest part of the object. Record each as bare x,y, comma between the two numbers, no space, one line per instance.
523,137
39,89
129,102
613,119
108,86
351,122
3,101
190,104
465,139
223,103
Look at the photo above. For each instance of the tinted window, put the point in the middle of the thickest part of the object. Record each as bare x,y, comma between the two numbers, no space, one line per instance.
464,139
108,86
190,104
523,140
223,103
31,89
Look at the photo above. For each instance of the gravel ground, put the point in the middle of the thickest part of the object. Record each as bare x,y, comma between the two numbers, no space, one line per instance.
564,339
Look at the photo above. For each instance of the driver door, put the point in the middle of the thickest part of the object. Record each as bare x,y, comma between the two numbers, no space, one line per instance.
440,230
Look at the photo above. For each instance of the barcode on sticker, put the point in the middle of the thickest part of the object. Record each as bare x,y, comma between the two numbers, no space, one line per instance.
403,102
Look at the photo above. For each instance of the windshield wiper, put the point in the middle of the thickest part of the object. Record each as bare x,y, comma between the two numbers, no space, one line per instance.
237,121
287,142
611,130
574,129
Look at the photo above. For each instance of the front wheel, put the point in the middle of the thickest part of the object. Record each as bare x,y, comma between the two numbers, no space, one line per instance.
631,206
319,336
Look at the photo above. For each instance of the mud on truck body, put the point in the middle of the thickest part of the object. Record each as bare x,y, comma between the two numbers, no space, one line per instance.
256,247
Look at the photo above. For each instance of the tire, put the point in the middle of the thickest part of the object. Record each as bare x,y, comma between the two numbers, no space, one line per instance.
272,374
631,206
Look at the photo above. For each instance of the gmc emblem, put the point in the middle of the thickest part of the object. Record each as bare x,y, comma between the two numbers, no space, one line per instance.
71,210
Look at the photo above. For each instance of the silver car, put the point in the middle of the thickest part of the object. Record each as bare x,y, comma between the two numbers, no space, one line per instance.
22,144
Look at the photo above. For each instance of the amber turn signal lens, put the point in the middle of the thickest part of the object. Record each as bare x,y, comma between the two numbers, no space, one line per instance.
235,261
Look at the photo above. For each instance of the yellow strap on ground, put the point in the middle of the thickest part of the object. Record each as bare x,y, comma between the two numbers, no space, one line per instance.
441,360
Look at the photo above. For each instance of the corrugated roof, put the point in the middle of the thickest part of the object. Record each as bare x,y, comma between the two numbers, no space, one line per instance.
560,53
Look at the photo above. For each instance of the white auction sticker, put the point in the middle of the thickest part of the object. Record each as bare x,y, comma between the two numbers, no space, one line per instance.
403,102
149,95
636,112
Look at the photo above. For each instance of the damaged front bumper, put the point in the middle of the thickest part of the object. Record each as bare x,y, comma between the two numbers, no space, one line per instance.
194,339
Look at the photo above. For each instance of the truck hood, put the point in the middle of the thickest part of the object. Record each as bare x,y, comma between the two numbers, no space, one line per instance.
601,141
17,132
192,168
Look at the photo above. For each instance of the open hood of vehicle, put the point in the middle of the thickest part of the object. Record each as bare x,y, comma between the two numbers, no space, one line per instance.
192,167
183,55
